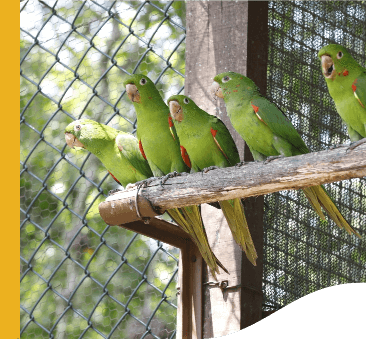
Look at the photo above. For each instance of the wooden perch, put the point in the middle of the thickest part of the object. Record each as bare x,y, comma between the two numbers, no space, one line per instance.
251,179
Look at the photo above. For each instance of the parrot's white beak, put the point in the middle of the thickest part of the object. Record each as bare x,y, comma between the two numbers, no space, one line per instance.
216,90
176,110
328,66
72,141
133,93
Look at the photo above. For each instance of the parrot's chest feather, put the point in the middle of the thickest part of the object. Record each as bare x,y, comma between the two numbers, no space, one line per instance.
340,86
160,148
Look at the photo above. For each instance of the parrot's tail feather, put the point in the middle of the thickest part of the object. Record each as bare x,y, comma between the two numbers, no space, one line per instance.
189,219
192,214
312,198
324,200
235,215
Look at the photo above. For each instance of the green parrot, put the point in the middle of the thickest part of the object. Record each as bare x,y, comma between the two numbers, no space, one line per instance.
268,132
346,81
159,144
118,151
209,143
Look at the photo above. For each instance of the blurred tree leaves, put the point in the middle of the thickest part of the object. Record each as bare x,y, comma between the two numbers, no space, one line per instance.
74,57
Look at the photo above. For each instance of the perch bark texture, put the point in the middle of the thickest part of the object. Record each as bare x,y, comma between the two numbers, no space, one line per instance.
259,178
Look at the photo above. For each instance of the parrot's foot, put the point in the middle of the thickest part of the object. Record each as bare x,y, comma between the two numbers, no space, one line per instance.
334,146
355,144
168,176
143,183
241,163
130,185
271,158
205,170
111,192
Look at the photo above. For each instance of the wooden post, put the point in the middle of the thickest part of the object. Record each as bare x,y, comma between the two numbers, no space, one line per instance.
189,314
257,58
184,313
228,36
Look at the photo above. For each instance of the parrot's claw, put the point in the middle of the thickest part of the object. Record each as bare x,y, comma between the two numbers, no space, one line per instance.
271,158
205,170
240,164
130,185
145,182
168,176
355,144
111,192
334,146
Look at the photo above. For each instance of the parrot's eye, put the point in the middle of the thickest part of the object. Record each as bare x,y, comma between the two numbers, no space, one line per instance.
77,127
339,55
143,81
225,79
186,101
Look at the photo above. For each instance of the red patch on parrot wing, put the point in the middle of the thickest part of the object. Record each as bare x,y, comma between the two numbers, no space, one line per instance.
345,73
141,149
354,88
214,133
115,178
256,109
170,124
185,156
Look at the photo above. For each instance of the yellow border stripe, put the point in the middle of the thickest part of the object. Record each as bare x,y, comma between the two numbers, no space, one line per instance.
9,250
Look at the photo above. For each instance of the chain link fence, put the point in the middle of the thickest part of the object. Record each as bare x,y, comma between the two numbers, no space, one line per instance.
81,278
302,254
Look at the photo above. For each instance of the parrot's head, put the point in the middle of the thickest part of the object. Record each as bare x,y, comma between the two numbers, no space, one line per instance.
230,82
72,132
139,88
180,106
335,61
88,134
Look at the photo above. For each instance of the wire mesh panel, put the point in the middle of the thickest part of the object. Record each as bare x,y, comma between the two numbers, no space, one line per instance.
81,278
302,253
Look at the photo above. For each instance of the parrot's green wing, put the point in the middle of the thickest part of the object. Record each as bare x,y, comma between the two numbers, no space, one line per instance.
359,89
130,149
277,122
224,141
